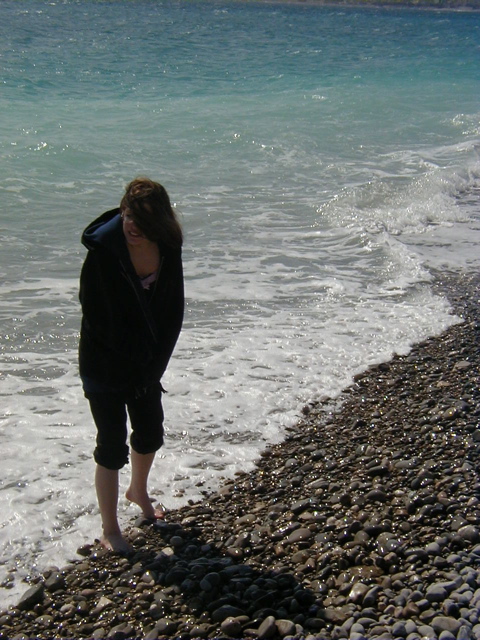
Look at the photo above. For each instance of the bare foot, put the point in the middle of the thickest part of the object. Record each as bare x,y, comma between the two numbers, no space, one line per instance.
145,504
116,542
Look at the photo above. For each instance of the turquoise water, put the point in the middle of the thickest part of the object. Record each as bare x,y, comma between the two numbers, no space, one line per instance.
323,160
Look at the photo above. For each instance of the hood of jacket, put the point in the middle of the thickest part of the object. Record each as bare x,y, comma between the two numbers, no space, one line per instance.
107,232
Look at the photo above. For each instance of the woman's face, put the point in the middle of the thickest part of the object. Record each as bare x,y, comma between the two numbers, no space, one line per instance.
132,233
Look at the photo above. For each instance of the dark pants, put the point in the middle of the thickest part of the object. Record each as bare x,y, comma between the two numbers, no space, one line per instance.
109,411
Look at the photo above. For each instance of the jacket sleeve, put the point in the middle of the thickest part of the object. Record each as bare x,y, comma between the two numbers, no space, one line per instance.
96,297
172,299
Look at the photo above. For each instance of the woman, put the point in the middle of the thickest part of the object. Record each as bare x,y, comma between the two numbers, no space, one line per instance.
131,292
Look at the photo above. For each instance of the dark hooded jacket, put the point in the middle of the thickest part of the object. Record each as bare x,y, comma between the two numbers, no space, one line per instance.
128,333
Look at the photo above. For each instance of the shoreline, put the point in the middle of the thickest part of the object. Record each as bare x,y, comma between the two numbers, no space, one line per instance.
472,6
363,523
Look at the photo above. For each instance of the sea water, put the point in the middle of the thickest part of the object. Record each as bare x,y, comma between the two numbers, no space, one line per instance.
324,162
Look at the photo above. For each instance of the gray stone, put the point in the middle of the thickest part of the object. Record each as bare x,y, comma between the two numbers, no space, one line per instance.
470,533
426,631
476,632
436,593
410,627
210,581
226,611
433,549
299,535
446,635
120,631
335,615
31,597
411,610
285,628
376,495
449,586
371,596
267,629
231,627
44,621
358,592
474,616
380,633
442,623
458,521
366,622
464,633
399,629
165,626
200,630
248,518
55,582
357,628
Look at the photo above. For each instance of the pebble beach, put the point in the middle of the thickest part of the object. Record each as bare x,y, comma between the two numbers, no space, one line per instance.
363,523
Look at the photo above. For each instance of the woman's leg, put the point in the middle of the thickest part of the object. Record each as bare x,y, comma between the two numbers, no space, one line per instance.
146,417
111,453
106,485
137,491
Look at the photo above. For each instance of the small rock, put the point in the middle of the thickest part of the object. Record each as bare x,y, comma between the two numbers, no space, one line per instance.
376,495
358,592
226,611
55,582
464,633
299,535
267,629
436,593
285,628
399,629
442,623
31,597
231,627
470,533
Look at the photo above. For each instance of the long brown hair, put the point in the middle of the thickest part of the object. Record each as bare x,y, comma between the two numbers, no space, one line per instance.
149,205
